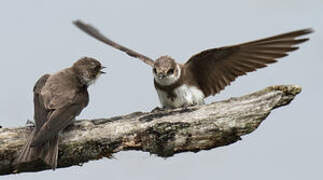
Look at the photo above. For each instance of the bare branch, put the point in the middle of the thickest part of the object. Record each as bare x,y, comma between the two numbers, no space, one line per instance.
163,133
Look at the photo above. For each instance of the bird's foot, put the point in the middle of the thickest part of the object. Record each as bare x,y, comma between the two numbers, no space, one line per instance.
185,106
158,109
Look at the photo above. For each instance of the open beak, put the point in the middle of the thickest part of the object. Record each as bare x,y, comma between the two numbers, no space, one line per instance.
102,72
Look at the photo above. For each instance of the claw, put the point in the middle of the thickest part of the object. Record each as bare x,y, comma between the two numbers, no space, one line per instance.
158,109
187,106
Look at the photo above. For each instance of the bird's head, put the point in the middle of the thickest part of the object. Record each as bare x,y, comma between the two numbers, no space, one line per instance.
166,71
88,70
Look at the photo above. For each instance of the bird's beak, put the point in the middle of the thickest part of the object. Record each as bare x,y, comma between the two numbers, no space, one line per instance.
102,72
161,76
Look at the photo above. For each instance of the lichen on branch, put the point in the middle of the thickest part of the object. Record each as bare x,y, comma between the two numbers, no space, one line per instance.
163,133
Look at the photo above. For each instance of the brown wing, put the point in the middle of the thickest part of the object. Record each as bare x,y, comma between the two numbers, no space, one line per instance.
214,69
40,112
97,35
59,119
60,89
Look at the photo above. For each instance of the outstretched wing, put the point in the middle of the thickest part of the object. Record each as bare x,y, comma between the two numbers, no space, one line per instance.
213,69
97,35
40,112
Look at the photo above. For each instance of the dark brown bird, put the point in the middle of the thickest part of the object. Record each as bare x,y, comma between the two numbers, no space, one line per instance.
58,99
211,70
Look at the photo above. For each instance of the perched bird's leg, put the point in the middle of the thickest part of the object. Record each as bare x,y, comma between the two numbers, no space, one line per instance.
158,109
186,106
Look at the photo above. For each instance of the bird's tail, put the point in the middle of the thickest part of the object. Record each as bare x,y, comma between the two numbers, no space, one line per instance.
47,152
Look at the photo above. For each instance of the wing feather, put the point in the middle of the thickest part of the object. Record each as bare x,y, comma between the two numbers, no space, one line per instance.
216,68
40,112
92,31
59,119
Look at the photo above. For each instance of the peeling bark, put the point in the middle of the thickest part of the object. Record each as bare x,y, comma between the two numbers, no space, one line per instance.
163,133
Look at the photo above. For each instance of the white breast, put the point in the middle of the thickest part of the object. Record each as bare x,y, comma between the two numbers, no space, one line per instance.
185,96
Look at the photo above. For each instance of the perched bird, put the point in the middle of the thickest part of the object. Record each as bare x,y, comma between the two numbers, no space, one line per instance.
210,71
58,99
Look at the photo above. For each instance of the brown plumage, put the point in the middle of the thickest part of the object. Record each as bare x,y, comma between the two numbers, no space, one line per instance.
58,99
96,34
211,70
216,68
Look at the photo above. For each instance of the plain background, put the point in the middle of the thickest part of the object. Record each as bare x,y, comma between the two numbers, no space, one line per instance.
37,37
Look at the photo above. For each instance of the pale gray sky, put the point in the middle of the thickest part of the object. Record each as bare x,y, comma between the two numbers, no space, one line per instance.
37,37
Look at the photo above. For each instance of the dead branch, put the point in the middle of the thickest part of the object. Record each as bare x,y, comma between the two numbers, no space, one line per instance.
163,133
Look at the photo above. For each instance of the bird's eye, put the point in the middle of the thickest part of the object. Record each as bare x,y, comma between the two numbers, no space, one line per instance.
155,71
171,71
97,68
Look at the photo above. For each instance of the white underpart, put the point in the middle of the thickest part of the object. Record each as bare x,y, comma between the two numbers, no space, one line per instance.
185,96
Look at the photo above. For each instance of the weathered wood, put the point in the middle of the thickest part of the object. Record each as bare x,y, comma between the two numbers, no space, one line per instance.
163,133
